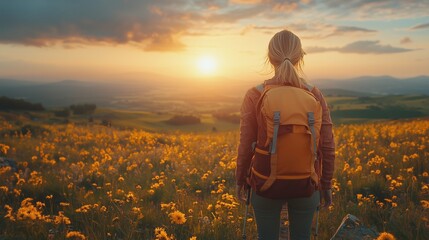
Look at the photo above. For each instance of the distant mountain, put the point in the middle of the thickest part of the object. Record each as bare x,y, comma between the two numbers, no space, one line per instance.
67,92
14,83
140,93
53,94
379,85
336,92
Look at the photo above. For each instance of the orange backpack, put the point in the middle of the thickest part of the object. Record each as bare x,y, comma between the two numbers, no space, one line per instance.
289,121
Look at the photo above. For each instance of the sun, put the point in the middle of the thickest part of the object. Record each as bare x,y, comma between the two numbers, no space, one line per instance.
207,65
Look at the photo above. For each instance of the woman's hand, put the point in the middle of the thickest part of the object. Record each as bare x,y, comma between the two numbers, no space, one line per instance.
241,193
326,197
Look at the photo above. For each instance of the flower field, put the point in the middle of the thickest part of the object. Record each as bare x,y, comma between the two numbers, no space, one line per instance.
94,182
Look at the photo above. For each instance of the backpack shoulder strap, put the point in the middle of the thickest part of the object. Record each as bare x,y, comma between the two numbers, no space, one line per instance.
309,87
260,87
311,122
273,153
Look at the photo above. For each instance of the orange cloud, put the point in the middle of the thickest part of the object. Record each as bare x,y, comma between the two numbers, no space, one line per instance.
360,47
246,1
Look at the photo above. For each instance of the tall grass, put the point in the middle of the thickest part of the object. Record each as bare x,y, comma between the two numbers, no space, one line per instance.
94,182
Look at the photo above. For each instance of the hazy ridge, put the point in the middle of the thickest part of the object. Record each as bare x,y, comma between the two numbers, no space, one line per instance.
124,94
384,85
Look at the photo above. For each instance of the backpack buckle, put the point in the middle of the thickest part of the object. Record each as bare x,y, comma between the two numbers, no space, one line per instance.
276,118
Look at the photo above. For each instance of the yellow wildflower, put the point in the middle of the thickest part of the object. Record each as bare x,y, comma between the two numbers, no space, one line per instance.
4,189
177,217
161,234
359,196
386,236
61,218
158,230
75,235
425,204
9,213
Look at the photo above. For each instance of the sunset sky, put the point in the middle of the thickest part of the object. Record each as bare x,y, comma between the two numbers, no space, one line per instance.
54,40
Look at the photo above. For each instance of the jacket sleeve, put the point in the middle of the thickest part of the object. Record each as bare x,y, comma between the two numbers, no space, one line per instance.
326,145
248,135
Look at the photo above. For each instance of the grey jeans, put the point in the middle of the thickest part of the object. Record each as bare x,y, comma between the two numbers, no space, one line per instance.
300,211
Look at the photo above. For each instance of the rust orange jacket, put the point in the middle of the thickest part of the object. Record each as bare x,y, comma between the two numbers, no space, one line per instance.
249,131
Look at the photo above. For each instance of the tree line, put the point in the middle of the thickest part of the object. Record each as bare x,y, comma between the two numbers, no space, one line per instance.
77,109
19,104
12,104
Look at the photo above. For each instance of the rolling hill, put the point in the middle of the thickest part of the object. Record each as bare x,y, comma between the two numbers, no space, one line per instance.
131,94
384,85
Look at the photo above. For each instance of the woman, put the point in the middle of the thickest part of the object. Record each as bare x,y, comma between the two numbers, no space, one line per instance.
285,54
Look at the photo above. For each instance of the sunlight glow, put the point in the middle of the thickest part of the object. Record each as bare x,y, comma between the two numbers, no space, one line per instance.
207,65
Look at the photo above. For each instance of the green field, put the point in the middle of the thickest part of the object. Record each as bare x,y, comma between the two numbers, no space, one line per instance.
343,110
364,109
151,110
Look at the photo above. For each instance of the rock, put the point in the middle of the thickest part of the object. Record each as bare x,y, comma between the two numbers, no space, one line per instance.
351,228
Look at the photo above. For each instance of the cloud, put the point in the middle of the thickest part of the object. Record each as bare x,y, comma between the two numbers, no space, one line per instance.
317,49
316,30
346,30
246,1
160,25
376,9
361,47
247,9
420,26
371,47
264,29
405,40
235,14
153,25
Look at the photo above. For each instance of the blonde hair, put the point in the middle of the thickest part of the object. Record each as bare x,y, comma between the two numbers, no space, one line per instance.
286,56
